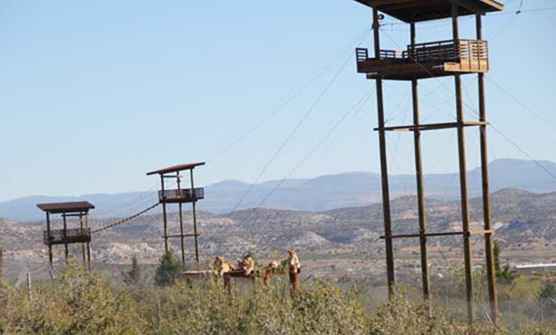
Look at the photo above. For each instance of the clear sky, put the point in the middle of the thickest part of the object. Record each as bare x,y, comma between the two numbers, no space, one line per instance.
93,94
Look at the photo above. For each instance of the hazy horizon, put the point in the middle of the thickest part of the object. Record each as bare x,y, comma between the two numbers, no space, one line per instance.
96,94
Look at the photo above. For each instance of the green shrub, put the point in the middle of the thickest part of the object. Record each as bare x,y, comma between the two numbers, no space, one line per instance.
168,269
327,310
134,275
78,302
547,298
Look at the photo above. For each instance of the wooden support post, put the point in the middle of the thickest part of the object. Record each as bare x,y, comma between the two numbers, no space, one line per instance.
89,267
83,252
463,178
194,205
1,263
420,185
180,213
164,217
65,234
491,276
384,166
29,286
48,238
88,246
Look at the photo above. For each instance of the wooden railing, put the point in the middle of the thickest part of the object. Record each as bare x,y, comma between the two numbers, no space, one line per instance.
446,51
361,54
392,54
182,195
70,236
471,51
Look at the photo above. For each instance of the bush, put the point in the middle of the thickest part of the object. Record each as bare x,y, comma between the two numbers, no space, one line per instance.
133,276
168,269
547,298
78,302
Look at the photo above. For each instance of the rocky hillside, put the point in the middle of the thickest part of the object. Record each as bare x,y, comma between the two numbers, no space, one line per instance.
521,218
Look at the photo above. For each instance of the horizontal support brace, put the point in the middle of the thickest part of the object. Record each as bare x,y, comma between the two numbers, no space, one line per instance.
452,233
64,242
184,235
426,235
433,126
74,215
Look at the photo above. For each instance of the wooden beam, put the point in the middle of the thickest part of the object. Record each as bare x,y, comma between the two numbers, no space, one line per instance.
432,126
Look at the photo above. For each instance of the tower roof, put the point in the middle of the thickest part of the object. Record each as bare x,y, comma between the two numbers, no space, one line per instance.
176,168
423,10
66,207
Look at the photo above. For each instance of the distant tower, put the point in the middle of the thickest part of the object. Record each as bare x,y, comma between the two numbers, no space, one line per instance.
179,196
454,57
67,235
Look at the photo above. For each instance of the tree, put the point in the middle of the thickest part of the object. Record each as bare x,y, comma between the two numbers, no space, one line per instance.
167,270
133,277
496,255
547,297
503,274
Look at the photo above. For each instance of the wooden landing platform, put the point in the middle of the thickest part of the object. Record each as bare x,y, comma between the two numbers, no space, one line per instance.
376,69
425,60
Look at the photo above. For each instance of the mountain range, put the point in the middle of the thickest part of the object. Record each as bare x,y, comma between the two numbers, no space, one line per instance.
353,189
334,240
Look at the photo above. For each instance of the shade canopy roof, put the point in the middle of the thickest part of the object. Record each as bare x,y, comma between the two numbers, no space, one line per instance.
66,207
176,168
423,10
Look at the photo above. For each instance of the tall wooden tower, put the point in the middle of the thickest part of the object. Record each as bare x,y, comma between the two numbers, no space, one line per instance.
455,57
66,236
179,196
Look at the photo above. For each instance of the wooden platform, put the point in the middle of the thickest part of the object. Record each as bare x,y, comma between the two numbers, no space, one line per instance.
184,195
426,60
76,235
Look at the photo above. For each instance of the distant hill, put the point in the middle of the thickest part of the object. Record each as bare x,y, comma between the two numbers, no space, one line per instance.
322,193
523,222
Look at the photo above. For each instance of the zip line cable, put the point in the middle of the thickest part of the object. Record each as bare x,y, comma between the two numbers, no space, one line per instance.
282,106
353,111
294,131
285,102
240,139
300,123
519,102
510,140
125,220
356,109
473,110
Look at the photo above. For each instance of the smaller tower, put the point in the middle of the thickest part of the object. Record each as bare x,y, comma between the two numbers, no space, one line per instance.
66,236
179,195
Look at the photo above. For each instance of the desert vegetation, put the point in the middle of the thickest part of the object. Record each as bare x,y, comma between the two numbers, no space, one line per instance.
81,302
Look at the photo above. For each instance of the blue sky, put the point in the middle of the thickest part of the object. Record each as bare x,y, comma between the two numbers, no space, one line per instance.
95,93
